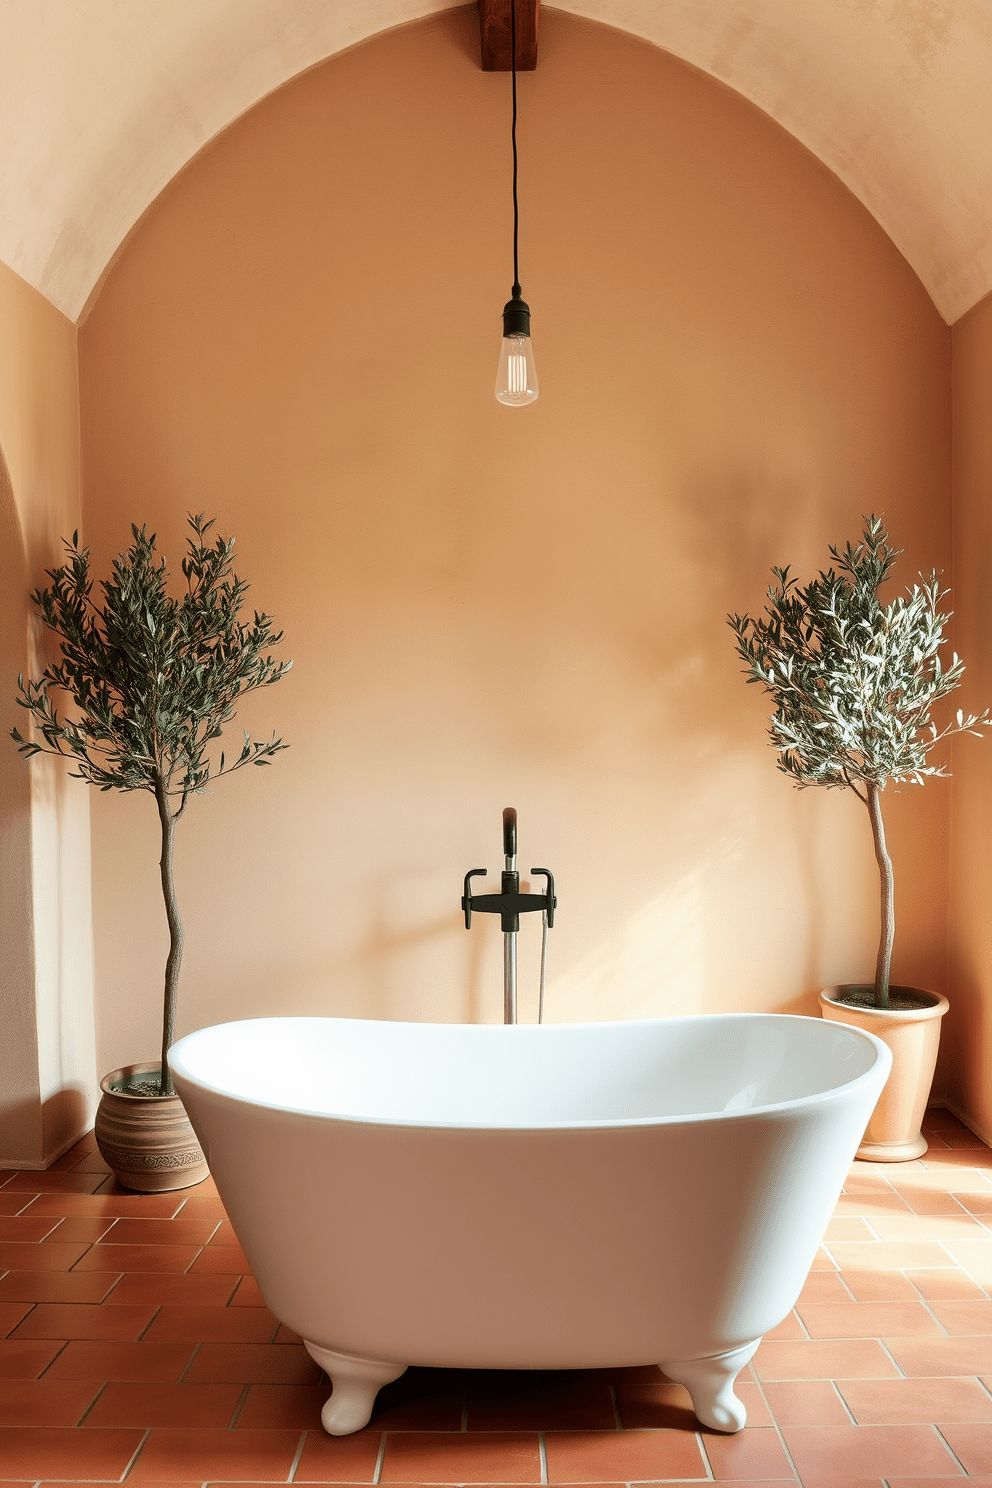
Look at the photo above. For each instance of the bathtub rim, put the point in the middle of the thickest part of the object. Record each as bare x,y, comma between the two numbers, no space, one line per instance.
819,1098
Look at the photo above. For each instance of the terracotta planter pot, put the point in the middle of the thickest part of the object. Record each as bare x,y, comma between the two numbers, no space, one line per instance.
147,1140
893,1133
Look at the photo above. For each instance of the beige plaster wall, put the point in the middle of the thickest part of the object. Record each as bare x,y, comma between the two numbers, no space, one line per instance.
47,1054
489,606
969,1035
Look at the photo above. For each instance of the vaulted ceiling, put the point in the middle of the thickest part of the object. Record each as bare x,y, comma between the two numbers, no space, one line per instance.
102,102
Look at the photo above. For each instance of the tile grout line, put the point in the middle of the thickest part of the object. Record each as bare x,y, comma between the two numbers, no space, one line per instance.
840,1397
542,1449
135,1455
616,1407
92,1403
189,1364
778,1430
947,1444
895,1362
296,1460
239,1408
380,1459
701,1445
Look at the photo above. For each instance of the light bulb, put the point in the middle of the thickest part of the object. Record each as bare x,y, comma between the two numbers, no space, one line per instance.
516,380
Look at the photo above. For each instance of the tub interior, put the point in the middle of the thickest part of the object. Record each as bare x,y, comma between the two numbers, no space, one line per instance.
431,1074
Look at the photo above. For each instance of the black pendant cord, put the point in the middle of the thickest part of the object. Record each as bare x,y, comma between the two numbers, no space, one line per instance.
513,137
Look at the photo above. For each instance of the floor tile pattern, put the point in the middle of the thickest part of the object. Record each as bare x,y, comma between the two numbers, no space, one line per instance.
135,1346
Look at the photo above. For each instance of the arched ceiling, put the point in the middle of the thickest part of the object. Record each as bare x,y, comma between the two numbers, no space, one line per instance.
102,102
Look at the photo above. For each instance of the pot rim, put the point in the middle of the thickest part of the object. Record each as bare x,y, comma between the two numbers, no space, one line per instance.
146,1067
936,1009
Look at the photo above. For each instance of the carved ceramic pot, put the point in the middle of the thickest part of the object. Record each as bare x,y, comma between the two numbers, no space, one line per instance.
147,1141
893,1133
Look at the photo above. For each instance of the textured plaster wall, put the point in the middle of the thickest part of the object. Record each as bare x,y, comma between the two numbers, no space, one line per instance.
488,606
969,1036
47,1056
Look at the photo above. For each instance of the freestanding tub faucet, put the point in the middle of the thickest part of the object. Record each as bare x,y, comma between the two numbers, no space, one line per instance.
510,904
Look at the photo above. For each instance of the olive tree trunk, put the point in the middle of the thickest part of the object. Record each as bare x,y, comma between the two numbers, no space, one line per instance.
172,965
888,928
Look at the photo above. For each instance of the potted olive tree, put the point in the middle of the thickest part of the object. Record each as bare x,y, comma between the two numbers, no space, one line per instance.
854,683
152,680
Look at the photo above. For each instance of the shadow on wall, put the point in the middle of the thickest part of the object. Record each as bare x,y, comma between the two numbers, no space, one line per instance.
20,1096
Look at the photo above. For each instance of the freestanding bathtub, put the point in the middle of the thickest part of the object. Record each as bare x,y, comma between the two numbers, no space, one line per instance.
560,1197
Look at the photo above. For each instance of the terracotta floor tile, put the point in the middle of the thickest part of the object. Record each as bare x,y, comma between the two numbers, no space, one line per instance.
459,1457
420,1400
891,1255
933,1357
61,1452
22,1255
25,1359
540,1401
206,1188
178,1231
612,1456
747,1455
214,1324
973,1445
224,1235
199,1452
101,1360
932,1201
88,1206
951,1283
338,1459
254,1363
136,1403
248,1294
652,1406
91,1163
75,1153
25,1227
163,1287
287,1335
939,1118
296,1406
197,1207
918,1227
890,1402
975,1256
39,1183
789,1327
879,1286
975,1157
961,1137
43,1402
950,1177
228,1259
823,1261
824,1286
975,1203
869,1202
806,1403
868,1320
857,1450
849,1227
11,1314
828,1359
81,1228
56,1286
82,1320
13,1203
963,1317
136,1257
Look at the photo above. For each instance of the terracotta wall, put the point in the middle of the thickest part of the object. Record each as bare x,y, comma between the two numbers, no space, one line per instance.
47,1058
489,606
969,1041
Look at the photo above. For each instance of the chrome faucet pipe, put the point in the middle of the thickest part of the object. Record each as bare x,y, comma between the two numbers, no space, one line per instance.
511,885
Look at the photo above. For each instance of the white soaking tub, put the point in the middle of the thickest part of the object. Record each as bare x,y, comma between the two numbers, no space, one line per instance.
561,1197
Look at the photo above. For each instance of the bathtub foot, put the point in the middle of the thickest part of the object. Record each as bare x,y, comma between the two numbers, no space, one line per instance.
355,1383
710,1383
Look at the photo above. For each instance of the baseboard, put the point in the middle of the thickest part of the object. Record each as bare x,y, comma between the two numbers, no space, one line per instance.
18,1165
946,1104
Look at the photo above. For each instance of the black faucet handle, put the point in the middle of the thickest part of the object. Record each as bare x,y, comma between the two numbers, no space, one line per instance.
467,896
550,900
510,831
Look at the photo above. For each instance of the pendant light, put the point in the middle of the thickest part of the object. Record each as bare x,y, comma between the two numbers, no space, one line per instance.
516,379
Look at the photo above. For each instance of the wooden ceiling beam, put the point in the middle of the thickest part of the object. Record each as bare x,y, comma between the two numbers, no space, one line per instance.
494,19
